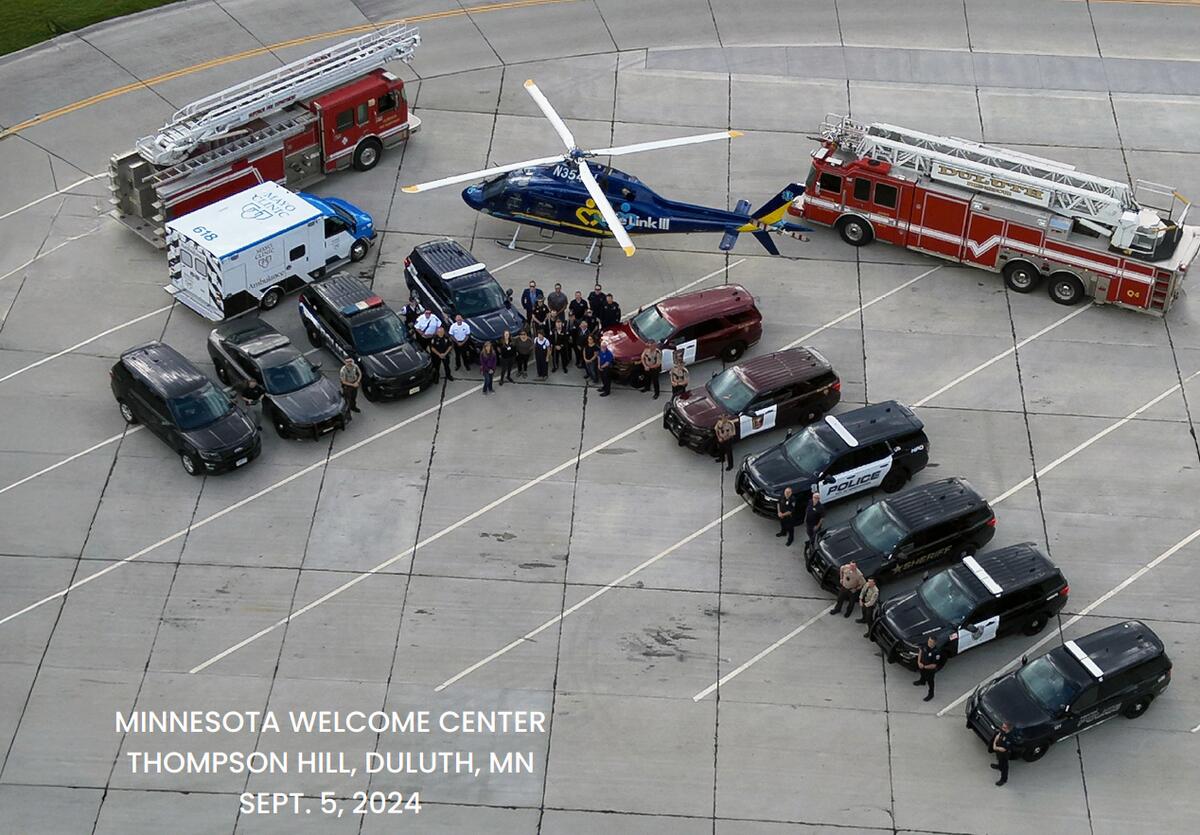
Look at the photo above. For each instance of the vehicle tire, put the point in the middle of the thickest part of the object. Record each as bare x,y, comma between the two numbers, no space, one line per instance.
1136,709
1065,289
314,338
731,353
126,412
366,155
855,231
637,378
369,391
1036,752
271,299
359,249
1021,277
1036,625
896,478
190,465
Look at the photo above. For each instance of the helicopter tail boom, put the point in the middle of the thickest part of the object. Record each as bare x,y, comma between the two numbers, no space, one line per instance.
769,217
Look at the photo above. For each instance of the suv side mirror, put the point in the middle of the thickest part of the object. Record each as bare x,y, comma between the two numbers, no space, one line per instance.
1024,660
790,433
974,630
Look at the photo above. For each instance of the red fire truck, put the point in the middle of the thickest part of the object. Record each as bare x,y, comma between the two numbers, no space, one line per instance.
1003,211
293,125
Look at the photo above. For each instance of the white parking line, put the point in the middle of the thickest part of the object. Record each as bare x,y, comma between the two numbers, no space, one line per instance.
1015,488
87,341
605,589
53,249
69,459
270,488
63,190
1086,610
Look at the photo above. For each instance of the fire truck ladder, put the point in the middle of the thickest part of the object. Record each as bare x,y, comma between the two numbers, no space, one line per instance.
243,146
1071,192
215,116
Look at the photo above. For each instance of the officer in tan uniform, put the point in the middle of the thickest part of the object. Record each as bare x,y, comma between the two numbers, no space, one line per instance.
679,374
726,431
652,367
868,598
850,583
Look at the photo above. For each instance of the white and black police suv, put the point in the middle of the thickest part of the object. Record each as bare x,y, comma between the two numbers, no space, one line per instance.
1119,670
986,596
157,387
934,522
342,315
450,281
882,445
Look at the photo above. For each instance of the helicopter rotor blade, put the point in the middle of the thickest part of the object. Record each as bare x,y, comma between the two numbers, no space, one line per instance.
606,210
696,139
481,175
564,133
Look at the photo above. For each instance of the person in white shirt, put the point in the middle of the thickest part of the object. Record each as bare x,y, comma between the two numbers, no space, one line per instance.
427,325
460,333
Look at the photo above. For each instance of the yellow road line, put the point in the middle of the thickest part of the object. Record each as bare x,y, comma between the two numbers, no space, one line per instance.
264,50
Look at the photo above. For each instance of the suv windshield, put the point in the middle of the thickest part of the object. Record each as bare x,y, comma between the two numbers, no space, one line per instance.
289,376
808,452
878,529
730,390
651,325
378,334
477,299
1048,685
199,408
946,597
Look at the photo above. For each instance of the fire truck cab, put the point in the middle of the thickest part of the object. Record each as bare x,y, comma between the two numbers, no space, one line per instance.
1026,217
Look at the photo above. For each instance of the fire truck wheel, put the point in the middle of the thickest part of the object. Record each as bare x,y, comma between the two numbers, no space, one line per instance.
271,298
1021,277
366,155
1066,288
855,231
358,250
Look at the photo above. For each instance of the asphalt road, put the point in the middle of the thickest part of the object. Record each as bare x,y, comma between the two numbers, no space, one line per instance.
547,551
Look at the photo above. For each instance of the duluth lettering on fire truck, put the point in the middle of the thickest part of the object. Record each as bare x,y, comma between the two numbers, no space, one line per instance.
292,126
1026,217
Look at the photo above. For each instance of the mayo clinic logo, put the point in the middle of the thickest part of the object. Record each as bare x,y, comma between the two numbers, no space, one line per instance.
267,206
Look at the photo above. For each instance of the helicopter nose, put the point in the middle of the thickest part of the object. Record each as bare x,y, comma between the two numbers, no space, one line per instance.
473,197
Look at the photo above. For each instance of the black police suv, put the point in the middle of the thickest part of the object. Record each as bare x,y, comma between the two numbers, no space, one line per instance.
881,445
1075,686
449,280
983,597
930,523
156,386
298,400
341,314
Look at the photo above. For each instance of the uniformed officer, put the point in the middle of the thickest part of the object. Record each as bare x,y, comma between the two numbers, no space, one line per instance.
850,586
679,374
610,313
814,516
1000,747
652,364
929,660
596,300
787,515
427,324
868,598
726,431
252,395
440,346
460,334
350,376
577,307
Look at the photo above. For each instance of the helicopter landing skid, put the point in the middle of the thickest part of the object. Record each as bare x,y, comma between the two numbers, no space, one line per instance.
587,260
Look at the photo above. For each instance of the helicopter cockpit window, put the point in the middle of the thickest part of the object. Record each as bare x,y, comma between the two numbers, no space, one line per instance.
493,190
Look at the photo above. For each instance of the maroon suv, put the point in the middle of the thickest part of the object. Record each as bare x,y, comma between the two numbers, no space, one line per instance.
721,322
786,388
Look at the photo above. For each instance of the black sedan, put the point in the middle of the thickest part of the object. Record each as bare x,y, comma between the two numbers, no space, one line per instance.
297,399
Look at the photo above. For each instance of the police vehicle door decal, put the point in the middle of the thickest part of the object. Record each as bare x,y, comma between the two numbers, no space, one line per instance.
689,354
986,630
855,480
758,421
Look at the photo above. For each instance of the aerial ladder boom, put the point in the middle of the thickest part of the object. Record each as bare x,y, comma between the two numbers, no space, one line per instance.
222,113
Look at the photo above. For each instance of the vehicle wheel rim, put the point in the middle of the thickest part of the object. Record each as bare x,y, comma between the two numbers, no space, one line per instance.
854,232
270,299
1063,290
126,413
188,464
368,156
1022,280
358,251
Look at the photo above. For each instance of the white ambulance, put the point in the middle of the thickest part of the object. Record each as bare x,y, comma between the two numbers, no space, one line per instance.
247,250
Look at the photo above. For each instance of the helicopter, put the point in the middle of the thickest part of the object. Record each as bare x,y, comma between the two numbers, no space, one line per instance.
570,194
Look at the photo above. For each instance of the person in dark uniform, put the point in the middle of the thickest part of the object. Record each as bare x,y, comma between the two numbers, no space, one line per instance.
441,346
787,515
929,660
610,314
577,308
252,395
506,351
814,517
596,301
1000,747
726,432
564,345
411,310
582,334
